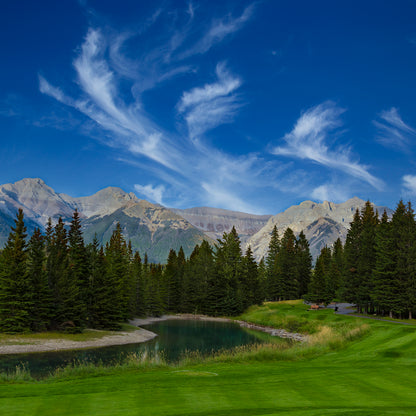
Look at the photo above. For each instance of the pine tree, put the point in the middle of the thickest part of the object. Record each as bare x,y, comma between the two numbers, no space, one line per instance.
204,268
273,287
303,264
228,266
117,259
386,286
262,273
100,307
191,284
57,269
351,278
287,263
319,291
78,269
38,282
336,270
155,304
249,280
173,282
367,255
15,293
137,271
403,226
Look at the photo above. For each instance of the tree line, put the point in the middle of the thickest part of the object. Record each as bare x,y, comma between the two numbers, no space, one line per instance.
376,268
54,281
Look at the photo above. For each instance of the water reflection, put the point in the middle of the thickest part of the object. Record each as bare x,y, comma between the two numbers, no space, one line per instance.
175,337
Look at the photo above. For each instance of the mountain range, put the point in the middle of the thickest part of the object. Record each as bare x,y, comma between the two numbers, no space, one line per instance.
154,229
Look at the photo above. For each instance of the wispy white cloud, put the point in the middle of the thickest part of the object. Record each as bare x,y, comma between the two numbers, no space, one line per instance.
393,132
181,166
46,88
211,105
220,196
154,193
329,192
409,185
219,29
308,141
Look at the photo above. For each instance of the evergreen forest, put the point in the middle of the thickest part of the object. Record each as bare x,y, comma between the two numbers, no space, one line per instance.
54,281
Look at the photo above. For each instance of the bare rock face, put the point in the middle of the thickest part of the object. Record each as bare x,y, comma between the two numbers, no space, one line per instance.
215,221
151,228
40,202
322,224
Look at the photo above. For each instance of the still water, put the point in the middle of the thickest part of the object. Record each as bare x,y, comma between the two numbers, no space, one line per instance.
174,338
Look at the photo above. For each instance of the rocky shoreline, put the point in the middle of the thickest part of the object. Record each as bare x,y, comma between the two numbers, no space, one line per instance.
30,345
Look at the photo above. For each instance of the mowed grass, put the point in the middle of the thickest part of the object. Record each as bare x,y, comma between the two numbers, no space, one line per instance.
350,366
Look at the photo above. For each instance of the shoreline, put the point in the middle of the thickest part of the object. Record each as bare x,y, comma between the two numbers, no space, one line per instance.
274,332
33,345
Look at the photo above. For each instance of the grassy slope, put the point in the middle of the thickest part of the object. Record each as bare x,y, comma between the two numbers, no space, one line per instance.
372,375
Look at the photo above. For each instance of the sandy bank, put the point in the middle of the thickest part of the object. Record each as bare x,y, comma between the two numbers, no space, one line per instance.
40,345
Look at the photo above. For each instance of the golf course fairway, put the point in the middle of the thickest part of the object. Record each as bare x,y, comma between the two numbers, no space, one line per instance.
350,366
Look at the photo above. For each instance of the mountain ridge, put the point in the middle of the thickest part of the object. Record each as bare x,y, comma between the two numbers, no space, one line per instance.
150,225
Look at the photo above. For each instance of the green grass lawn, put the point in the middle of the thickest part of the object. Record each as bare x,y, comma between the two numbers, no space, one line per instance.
350,366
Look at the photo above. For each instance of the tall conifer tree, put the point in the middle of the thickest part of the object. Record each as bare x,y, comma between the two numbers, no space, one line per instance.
15,293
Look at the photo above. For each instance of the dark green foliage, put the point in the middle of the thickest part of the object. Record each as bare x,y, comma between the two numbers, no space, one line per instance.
386,286
351,281
250,284
336,269
319,287
15,292
117,259
229,270
303,264
38,283
288,277
156,244
100,307
70,286
274,288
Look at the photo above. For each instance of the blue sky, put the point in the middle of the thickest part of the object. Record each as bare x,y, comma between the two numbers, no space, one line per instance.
246,105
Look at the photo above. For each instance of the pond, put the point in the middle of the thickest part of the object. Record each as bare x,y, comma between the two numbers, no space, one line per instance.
175,337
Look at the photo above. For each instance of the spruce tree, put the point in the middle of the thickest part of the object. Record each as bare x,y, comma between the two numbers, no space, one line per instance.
336,270
206,275
249,280
288,283
262,288
273,287
100,307
78,268
38,280
403,227
386,288
117,260
229,269
191,293
303,264
319,291
351,278
367,255
16,294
